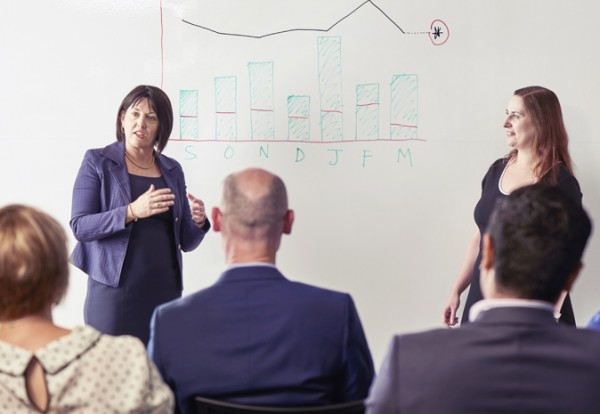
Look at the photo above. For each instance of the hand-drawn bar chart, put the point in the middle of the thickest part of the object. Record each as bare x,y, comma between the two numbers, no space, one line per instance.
384,110
330,88
226,108
405,92
188,114
367,111
298,118
403,89
260,76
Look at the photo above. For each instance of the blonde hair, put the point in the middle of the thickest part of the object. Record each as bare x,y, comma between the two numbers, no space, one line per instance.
34,268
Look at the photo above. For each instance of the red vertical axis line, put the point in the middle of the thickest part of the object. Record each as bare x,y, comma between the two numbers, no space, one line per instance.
162,51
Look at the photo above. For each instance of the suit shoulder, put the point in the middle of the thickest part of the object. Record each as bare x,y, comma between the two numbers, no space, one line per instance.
327,300
112,151
427,338
319,291
181,305
590,337
93,153
170,163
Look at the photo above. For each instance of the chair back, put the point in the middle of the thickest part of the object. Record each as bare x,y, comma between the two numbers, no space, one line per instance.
210,406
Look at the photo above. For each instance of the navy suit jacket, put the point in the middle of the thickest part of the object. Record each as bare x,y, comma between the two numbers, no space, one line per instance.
100,197
255,337
510,360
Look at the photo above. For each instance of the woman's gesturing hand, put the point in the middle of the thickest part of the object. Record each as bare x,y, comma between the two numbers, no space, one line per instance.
152,202
197,208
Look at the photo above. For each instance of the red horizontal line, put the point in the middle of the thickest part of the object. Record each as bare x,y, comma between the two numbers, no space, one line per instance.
225,113
296,141
404,125
331,110
368,104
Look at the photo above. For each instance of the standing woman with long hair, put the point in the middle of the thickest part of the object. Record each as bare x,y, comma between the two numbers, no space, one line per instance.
536,133
132,217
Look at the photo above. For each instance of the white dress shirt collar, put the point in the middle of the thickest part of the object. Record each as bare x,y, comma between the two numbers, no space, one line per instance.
250,264
487,304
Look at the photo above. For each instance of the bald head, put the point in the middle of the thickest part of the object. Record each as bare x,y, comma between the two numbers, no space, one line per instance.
254,212
254,198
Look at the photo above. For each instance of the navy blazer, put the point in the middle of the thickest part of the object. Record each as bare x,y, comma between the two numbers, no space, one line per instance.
509,360
100,197
255,337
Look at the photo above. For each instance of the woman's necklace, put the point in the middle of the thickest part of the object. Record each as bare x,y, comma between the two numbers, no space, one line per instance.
143,167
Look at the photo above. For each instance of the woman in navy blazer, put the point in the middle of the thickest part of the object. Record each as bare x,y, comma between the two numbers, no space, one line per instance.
132,217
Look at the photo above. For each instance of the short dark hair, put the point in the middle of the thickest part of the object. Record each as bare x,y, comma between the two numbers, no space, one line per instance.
34,269
538,234
159,102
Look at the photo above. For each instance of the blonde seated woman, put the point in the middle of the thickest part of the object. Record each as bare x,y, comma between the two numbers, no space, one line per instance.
43,367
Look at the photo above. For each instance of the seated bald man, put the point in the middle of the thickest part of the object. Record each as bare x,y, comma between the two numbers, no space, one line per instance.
514,357
255,337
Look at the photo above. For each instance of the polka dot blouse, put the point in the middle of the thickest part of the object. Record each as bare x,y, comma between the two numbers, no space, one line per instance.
86,372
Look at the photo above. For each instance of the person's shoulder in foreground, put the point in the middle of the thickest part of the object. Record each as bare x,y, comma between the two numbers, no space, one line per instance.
254,336
514,357
47,368
131,381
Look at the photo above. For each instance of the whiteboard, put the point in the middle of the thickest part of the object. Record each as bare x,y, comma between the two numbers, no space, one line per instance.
381,117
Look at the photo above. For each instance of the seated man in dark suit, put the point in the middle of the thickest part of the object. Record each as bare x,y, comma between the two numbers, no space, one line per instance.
255,337
514,357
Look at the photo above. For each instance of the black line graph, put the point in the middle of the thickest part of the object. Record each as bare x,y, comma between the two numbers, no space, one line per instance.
385,105
438,33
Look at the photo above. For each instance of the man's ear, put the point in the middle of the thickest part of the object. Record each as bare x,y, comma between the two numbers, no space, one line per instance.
288,220
487,252
216,219
573,276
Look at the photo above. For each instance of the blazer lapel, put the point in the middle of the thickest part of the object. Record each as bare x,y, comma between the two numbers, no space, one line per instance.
115,152
166,169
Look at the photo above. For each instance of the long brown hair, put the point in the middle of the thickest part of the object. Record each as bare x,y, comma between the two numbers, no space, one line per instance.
551,141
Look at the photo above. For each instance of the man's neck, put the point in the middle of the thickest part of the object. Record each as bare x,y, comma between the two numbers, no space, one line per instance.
249,257
237,252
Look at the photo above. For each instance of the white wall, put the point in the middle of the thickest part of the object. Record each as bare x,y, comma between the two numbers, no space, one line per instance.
389,230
